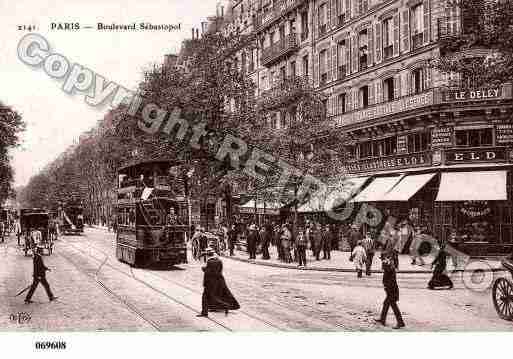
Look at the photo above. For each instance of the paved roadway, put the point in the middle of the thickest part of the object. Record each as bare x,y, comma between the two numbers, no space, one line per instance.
96,292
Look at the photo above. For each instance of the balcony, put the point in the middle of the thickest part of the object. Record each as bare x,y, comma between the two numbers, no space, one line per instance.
282,92
388,52
417,40
279,9
276,51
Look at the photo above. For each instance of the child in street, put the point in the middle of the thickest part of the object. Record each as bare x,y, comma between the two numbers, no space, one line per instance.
359,258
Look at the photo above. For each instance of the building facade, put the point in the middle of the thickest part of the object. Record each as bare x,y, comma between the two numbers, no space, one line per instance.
425,145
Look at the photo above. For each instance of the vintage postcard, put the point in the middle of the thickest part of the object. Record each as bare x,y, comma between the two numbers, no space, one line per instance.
259,166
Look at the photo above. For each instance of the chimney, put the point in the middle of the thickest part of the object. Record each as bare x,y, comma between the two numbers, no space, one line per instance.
197,33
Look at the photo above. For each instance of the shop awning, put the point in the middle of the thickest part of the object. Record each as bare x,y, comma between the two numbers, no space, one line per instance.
473,186
377,189
335,196
261,207
408,186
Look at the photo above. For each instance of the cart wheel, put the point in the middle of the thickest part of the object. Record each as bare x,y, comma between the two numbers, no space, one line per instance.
503,298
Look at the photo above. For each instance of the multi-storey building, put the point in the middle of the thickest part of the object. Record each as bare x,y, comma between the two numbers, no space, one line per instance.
424,144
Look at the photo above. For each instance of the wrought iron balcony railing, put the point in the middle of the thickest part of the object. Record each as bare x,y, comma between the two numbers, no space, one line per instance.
279,9
281,48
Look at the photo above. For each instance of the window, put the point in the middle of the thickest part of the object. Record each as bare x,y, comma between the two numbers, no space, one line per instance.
264,82
341,59
388,38
417,25
304,25
325,107
292,26
474,137
293,69
323,66
364,96
323,19
282,32
377,148
272,38
305,66
363,6
272,79
340,11
418,81
341,103
283,73
362,44
388,89
418,142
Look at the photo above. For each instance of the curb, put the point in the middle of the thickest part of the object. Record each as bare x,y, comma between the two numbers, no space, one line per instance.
345,270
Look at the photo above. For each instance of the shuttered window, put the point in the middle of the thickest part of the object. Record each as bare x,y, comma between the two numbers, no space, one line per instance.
417,26
388,89
341,59
388,39
341,103
323,16
323,67
396,34
305,66
405,31
363,42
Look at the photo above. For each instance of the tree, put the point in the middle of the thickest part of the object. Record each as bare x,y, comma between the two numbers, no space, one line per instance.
11,125
480,49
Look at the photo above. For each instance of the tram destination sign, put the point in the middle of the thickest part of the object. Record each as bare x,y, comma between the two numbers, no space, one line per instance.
392,162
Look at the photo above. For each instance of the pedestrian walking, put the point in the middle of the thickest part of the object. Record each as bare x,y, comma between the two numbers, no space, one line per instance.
2,231
39,275
359,258
216,295
286,242
252,241
418,238
309,236
368,245
326,242
440,278
232,239
392,294
317,240
17,229
301,244
354,237
266,241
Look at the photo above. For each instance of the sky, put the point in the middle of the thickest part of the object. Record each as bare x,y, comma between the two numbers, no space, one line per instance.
55,119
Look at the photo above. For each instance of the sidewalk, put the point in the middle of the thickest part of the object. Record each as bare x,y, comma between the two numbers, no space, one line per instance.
340,263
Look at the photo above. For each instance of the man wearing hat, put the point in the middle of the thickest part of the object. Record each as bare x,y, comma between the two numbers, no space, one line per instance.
39,276
392,293
216,295
252,241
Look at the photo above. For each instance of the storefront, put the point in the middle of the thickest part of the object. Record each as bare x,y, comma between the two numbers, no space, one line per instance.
259,212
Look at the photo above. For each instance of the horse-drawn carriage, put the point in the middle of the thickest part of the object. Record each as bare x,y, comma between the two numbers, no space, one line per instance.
502,292
35,228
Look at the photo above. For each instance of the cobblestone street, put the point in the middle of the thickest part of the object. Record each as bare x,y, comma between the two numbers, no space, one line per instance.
96,292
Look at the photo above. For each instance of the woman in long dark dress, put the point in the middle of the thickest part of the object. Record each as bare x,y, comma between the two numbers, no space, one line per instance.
216,295
440,279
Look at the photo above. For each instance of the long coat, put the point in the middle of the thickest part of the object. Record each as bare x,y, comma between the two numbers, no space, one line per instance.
440,278
39,266
218,295
390,283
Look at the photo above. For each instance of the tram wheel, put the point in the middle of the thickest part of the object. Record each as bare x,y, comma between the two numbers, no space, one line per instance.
503,298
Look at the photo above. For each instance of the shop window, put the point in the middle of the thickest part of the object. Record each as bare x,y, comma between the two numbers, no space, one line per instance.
474,137
389,146
388,89
476,221
364,96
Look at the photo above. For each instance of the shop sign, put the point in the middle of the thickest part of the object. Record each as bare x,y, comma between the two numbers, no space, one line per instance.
472,95
402,144
493,154
474,209
384,109
395,162
504,133
442,137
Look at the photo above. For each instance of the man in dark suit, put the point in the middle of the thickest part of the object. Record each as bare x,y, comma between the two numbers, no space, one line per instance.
39,277
252,241
392,294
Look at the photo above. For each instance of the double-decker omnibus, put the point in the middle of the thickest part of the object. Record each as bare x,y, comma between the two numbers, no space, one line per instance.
151,214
